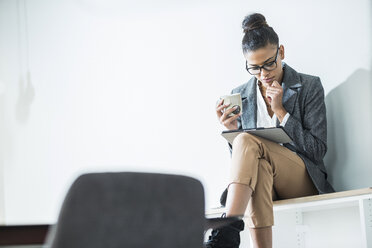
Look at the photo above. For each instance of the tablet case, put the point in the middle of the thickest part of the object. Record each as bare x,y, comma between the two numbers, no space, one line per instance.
275,134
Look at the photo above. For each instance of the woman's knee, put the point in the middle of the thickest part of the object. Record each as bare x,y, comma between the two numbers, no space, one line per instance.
244,139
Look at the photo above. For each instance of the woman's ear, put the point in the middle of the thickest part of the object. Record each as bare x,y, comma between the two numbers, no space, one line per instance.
281,52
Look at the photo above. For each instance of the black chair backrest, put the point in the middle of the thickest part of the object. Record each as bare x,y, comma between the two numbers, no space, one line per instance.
134,210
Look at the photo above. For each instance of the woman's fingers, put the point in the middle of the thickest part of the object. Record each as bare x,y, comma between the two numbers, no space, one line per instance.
225,115
220,108
273,90
276,84
219,103
228,111
231,119
269,93
273,93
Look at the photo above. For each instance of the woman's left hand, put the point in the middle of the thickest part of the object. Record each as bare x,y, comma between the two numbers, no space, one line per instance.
275,93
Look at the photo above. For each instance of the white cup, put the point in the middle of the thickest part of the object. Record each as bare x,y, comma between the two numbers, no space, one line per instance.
233,100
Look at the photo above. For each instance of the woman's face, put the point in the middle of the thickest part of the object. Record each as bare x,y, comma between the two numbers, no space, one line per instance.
265,57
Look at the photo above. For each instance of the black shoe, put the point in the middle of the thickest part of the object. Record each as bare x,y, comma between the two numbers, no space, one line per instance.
223,198
226,237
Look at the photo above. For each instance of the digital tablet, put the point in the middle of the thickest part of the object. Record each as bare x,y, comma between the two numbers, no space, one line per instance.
275,134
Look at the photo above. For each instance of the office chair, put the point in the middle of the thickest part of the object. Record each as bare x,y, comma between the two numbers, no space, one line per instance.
134,210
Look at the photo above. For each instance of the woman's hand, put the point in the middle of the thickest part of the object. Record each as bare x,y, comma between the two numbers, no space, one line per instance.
230,123
275,93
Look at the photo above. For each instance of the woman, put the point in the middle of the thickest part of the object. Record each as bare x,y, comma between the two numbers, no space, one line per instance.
261,170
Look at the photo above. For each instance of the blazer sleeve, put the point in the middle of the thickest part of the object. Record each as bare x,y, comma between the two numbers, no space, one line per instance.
309,135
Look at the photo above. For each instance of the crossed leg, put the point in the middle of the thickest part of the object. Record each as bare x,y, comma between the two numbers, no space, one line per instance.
262,171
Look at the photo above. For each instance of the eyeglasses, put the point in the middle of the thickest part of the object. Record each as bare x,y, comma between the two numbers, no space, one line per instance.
267,66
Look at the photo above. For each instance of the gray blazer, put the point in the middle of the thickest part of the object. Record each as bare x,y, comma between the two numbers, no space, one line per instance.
303,98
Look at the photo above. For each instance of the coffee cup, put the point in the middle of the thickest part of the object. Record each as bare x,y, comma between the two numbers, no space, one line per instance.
235,100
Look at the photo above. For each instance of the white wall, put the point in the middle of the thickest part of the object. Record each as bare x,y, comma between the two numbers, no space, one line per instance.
131,85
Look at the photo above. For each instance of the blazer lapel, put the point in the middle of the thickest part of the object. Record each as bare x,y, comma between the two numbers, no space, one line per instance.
291,83
249,104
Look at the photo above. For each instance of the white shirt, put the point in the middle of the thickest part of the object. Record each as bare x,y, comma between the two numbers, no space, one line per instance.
263,117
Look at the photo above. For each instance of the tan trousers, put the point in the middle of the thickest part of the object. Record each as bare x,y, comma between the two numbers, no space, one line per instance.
272,171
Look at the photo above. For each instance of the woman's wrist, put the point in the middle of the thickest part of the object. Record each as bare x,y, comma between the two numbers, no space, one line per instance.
281,113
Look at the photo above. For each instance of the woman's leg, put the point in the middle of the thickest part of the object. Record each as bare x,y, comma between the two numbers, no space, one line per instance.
262,237
258,174
236,204
259,166
237,199
259,205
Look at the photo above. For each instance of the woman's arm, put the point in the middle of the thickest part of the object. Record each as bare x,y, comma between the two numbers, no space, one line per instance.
310,136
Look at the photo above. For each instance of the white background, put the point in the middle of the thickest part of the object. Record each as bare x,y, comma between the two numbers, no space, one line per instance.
132,85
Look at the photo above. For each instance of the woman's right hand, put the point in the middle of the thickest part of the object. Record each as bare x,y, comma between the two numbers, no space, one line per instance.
230,123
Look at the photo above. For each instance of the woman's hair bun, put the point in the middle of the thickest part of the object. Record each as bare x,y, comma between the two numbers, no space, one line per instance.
253,21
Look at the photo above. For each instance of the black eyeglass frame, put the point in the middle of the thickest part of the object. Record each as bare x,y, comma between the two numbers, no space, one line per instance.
263,66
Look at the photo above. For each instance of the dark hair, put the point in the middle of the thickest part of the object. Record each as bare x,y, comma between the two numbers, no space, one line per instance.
257,33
